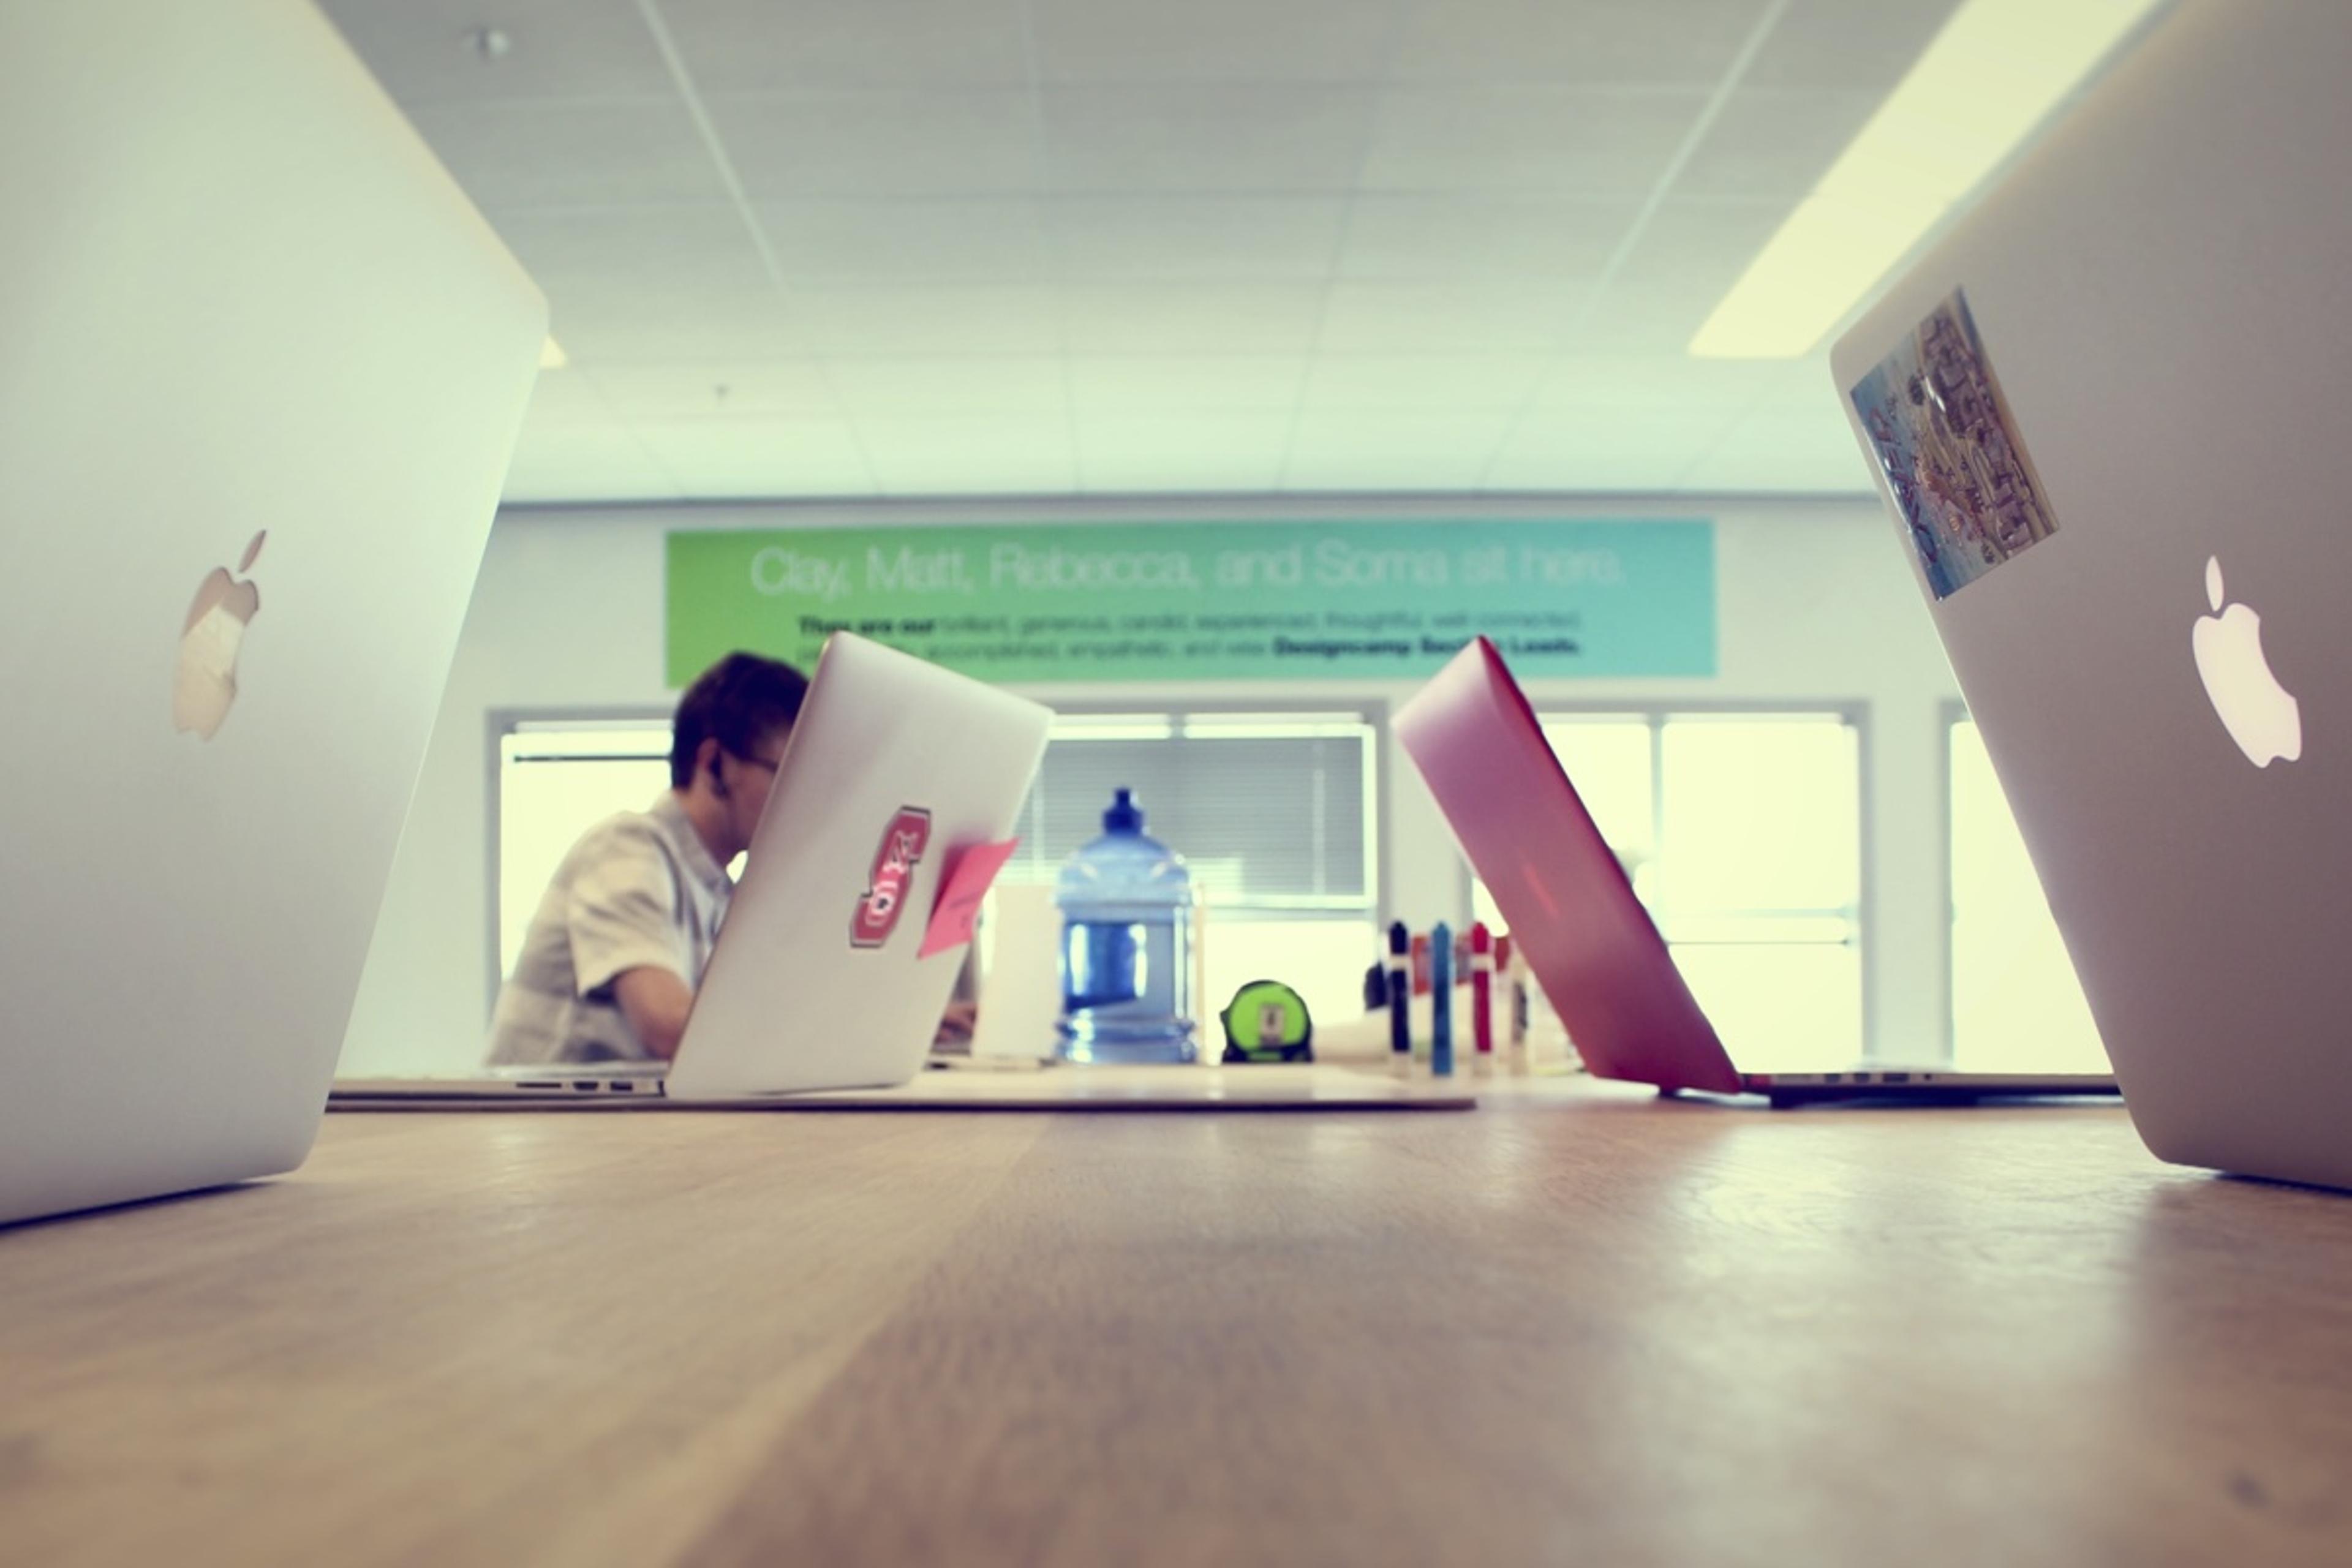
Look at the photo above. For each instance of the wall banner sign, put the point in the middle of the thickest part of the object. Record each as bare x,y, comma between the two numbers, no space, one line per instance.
1207,600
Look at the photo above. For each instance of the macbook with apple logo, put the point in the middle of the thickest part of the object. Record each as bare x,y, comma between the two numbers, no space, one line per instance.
263,368
2104,413
1585,936
833,962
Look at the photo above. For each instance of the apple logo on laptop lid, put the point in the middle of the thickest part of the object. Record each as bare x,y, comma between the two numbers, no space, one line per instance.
204,686
2261,715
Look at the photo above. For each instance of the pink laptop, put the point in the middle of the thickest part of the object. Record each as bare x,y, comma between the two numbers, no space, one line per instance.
1593,948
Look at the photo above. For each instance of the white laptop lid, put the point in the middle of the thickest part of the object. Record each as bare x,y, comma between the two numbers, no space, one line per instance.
891,757
2163,292
236,295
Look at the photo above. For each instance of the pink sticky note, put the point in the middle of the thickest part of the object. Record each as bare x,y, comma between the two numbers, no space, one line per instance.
968,877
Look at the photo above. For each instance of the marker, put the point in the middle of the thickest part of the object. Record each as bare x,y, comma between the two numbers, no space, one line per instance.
1400,992
1441,990
1482,987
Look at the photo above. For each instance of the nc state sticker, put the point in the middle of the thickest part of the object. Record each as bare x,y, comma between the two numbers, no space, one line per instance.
878,907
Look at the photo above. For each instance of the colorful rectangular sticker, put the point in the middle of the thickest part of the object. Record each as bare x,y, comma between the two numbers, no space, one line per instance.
1949,444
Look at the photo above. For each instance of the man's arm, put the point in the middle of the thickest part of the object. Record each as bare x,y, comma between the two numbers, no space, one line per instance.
655,1003
629,945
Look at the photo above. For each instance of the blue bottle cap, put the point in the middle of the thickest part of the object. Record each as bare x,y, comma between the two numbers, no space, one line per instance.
1124,815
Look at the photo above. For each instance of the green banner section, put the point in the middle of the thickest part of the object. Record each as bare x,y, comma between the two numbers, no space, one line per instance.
1293,601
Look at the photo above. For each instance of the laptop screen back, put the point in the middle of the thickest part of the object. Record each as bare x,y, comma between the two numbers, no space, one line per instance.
1593,948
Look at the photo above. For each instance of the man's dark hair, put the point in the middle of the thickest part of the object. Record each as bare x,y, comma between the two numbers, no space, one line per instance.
739,702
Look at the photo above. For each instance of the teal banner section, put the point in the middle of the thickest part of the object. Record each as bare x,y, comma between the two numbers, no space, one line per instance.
1291,601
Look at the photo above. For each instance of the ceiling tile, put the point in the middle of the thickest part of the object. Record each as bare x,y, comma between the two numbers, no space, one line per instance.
717,388
607,251
566,398
1688,256
1650,383
1794,387
1785,450
1774,141
740,45
1364,451
1569,140
1414,318
1218,136
1689,43
1222,245
1202,319
584,462
928,319
717,459
1606,448
1115,389
1213,40
994,239
975,456
1646,316
1178,239
513,154
670,325
1336,384
422,50
881,143
969,385
1864,43
1232,453
1442,237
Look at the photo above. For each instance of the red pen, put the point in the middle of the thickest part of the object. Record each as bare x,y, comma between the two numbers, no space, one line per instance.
1482,987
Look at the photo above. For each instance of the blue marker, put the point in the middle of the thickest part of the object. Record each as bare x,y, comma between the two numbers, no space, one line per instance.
1441,998
1399,992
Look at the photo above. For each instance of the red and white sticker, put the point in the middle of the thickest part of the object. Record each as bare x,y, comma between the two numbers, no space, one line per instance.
884,899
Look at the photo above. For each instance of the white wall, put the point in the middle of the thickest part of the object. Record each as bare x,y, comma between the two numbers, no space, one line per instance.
1816,604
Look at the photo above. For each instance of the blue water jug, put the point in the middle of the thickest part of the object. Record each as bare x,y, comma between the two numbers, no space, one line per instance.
1126,946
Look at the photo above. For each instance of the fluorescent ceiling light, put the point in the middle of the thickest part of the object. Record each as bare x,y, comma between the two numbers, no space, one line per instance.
552,355
1997,68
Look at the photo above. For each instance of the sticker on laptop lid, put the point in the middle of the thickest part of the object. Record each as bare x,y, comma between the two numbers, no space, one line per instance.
971,872
1944,435
889,883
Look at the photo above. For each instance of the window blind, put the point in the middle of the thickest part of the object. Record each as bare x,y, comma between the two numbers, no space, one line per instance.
1271,812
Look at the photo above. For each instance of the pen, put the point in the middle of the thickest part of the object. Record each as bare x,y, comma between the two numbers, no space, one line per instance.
1482,987
1441,991
1400,991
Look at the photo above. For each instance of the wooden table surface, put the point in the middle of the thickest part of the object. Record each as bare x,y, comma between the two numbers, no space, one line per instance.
1584,1327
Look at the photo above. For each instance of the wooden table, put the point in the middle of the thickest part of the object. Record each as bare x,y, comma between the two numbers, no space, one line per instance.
1585,1328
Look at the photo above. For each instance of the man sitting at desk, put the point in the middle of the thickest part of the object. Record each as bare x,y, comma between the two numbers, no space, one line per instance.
618,943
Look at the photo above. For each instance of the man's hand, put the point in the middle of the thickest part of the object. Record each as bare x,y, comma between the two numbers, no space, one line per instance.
956,1024
655,1003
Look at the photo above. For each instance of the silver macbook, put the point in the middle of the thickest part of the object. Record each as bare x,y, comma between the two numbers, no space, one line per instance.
895,768
2106,413
261,366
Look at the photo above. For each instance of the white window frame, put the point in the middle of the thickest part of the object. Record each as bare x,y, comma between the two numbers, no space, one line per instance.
1864,913
498,724
1954,712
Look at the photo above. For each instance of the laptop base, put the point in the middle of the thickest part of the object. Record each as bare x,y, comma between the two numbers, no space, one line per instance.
1920,1086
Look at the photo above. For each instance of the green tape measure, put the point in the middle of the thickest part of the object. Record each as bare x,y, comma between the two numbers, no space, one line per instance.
1267,1021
